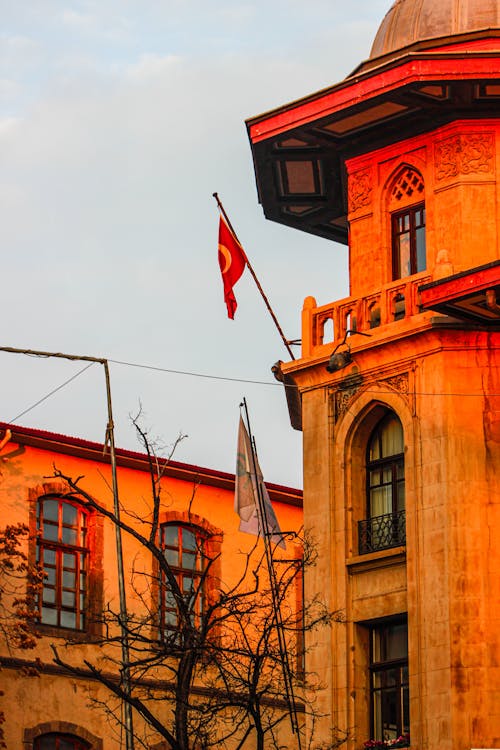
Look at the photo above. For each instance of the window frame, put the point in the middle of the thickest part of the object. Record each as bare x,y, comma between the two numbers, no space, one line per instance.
63,550
77,743
400,686
182,574
392,462
412,211
382,531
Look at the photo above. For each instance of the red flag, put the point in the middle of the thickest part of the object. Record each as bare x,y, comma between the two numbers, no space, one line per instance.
232,261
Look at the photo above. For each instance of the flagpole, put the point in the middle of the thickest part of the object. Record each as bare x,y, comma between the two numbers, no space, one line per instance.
266,301
263,522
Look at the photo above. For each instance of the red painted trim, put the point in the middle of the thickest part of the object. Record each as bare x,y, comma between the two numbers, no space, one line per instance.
458,287
355,91
92,451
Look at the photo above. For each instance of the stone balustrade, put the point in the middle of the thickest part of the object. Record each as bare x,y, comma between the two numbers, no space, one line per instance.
328,324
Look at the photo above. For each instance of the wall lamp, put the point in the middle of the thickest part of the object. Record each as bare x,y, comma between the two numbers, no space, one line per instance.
340,359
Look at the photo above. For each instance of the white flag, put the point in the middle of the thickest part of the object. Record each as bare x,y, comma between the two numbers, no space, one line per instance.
249,483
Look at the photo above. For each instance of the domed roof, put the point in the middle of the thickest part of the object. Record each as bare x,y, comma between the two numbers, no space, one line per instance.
411,21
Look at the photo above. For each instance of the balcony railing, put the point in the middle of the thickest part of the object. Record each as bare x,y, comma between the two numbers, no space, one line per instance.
382,532
328,324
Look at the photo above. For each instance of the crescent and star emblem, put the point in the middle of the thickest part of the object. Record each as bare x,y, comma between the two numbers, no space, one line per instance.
227,258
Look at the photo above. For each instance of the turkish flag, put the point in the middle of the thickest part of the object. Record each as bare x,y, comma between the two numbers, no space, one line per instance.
232,261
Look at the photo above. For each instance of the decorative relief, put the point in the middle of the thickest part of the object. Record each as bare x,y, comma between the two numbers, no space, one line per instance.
360,190
464,154
399,382
343,397
342,402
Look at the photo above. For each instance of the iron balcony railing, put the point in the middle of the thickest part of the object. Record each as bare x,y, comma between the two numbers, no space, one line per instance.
382,532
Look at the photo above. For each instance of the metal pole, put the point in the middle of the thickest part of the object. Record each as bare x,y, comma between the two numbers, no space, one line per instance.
262,516
110,438
254,275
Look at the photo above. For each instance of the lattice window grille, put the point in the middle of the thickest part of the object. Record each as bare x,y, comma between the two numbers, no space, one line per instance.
409,185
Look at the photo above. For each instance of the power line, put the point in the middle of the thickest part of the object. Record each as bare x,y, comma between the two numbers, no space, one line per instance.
194,374
51,393
185,373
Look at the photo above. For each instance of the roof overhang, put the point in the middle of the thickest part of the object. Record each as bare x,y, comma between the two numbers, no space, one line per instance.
300,149
471,295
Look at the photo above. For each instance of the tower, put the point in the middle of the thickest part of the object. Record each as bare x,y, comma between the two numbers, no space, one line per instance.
398,385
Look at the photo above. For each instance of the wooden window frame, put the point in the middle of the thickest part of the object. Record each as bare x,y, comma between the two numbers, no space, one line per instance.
400,686
412,211
393,463
183,573
59,552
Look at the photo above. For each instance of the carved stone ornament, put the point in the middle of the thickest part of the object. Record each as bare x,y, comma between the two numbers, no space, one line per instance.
360,190
399,382
342,402
464,154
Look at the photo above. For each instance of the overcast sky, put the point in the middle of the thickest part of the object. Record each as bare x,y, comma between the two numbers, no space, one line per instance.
118,120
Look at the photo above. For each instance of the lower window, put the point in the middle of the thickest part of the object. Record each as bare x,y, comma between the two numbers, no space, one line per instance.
56,741
389,689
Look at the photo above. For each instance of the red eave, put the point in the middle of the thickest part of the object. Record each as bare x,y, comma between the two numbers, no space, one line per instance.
362,88
459,285
92,451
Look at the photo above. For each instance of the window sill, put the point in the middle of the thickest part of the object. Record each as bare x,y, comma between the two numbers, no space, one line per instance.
380,559
67,634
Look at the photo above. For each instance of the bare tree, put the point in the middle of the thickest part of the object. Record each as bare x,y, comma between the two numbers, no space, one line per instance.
206,661
20,583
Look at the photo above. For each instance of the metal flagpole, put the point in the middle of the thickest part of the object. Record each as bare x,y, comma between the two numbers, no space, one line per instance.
263,527
110,439
249,266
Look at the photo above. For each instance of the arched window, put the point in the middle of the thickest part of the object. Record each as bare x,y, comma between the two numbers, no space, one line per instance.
385,480
407,208
56,741
184,549
62,552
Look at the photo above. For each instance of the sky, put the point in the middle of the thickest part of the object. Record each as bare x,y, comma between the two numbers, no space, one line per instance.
118,121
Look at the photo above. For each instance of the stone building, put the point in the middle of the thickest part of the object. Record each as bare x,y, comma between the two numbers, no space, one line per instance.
47,708
398,385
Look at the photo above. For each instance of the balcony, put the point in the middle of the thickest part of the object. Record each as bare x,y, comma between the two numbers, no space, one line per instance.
382,532
328,324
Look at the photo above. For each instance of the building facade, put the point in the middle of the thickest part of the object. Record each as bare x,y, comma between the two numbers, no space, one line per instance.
398,385
77,600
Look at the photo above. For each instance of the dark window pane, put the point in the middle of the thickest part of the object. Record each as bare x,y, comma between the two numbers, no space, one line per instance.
49,556
49,616
69,536
420,250
68,599
188,539
49,596
70,514
172,557
50,532
69,579
69,561
170,535
50,510
68,619
189,561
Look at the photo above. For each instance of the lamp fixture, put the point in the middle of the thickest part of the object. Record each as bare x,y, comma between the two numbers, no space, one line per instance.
340,359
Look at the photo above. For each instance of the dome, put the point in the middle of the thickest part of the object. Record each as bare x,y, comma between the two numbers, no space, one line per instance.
409,22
